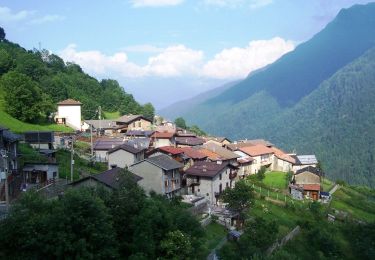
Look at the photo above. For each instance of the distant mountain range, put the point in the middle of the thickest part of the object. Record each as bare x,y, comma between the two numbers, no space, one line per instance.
318,99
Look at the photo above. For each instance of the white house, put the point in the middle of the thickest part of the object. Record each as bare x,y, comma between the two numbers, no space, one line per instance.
262,155
69,113
210,179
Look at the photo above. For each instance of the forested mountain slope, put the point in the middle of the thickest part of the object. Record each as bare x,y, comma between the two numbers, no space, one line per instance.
300,103
32,82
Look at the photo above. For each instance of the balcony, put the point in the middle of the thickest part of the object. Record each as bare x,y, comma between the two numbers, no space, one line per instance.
233,175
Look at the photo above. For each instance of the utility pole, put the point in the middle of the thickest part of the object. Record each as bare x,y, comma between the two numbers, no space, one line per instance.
5,162
92,148
100,120
71,159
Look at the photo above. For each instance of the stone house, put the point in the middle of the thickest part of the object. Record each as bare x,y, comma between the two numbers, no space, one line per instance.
109,180
160,174
160,139
302,161
210,179
262,155
309,179
125,155
103,145
282,161
133,122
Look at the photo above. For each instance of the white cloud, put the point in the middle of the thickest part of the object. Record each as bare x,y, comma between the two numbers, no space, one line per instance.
144,48
173,61
239,62
48,18
6,15
253,4
155,3
180,61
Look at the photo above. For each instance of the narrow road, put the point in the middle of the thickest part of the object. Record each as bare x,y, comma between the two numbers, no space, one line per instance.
334,189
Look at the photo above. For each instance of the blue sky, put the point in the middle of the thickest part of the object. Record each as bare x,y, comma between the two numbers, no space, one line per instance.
166,50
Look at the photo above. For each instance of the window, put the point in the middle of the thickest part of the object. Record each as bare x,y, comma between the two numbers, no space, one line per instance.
220,177
166,183
139,124
226,185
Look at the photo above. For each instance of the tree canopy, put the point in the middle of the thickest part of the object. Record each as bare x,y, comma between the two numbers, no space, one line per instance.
58,81
100,224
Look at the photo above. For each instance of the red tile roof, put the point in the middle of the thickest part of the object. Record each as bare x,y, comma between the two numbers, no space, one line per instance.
171,150
314,187
282,155
256,150
162,135
210,154
69,102
193,153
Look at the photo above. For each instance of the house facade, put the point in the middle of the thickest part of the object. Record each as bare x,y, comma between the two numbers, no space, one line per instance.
124,155
309,180
210,179
160,174
302,161
69,113
262,155
161,139
134,122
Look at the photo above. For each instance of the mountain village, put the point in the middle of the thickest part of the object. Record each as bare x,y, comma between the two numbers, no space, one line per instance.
161,157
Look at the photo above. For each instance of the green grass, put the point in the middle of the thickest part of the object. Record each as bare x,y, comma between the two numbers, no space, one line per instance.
360,205
214,233
81,166
112,115
28,154
327,184
276,180
18,126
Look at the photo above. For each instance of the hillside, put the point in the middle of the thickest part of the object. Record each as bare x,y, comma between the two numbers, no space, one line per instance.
32,82
316,106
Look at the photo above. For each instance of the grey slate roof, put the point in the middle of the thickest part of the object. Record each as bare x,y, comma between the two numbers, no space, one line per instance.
191,141
109,178
143,142
309,169
206,169
223,152
134,149
10,136
139,133
165,162
108,144
306,159
103,124
130,118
